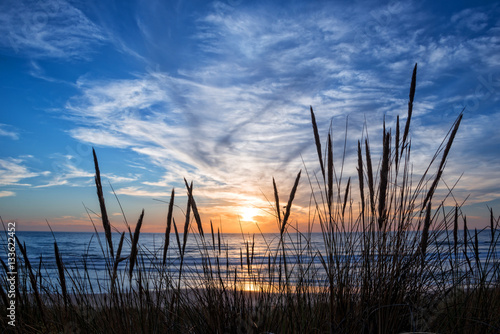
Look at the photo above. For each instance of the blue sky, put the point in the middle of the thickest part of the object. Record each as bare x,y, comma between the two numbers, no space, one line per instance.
219,93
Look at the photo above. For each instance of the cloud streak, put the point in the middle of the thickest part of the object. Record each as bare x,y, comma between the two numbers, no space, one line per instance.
13,171
47,29
6,131
6,193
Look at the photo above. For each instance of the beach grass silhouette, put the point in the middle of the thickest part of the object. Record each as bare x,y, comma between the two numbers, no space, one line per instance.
393,260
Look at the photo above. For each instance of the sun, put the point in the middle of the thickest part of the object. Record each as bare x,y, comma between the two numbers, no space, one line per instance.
248,213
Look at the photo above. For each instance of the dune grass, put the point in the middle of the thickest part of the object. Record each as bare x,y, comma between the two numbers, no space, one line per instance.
393,260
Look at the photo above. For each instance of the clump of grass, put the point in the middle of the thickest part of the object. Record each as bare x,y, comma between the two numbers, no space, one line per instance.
400,264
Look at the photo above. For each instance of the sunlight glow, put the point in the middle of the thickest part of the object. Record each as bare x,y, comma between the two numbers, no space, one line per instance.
249,286
247,214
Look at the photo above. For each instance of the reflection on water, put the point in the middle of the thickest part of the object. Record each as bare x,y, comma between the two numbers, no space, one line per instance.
250,263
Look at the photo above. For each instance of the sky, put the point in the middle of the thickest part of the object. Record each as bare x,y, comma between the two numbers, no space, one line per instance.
218,93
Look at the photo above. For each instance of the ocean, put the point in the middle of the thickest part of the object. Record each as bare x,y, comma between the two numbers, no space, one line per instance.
245,256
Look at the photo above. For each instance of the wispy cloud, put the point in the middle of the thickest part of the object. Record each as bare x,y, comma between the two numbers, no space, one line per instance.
198,132
54,29
135,191
99,137
13,171
7,131
120,179
66,172
470,19
6,193
37,71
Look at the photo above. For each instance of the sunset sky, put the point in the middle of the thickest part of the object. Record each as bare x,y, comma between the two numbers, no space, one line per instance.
218,92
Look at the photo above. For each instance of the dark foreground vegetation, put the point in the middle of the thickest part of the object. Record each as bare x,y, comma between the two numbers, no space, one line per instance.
393,260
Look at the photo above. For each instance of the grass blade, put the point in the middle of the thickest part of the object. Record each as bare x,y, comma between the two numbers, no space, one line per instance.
169,225
277,201
318,142
135,250
289,205
384,174
361,182
104,215
62,279
410,106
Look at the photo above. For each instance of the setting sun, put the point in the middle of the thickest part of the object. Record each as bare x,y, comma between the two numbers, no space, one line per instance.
247,214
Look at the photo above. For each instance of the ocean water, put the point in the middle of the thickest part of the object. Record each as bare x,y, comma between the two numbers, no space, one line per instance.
249,258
